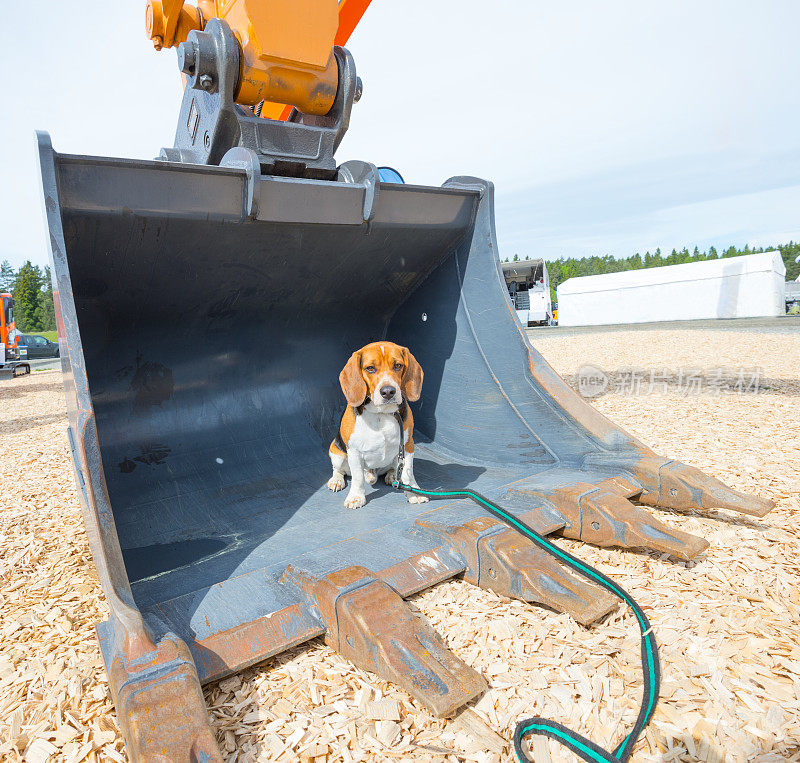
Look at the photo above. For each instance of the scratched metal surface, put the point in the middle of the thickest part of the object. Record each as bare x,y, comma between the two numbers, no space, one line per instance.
212,346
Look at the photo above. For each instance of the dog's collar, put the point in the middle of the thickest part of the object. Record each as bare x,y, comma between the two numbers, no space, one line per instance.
401,409
400,416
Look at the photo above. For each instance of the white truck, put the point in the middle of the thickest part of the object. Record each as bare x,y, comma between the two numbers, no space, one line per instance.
529,288
792,296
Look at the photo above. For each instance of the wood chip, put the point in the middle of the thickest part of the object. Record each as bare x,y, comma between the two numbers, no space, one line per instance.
387,731
39,750
384,710
478,729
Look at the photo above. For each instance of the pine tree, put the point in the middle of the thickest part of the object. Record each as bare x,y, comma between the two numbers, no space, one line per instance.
7,276
45,310
516,258
790,252
27,287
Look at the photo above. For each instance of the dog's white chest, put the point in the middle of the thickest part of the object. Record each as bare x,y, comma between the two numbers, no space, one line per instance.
377,437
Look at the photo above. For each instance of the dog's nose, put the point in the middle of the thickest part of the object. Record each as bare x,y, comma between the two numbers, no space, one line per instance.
387,392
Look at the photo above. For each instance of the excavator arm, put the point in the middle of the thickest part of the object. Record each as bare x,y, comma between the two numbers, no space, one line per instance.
286,46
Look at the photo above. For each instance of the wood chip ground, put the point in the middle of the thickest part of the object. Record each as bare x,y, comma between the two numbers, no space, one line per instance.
727,624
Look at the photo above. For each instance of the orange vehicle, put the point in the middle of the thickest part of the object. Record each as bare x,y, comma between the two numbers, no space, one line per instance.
13,358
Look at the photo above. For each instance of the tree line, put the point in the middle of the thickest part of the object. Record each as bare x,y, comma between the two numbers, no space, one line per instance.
32,289
32,286
564,268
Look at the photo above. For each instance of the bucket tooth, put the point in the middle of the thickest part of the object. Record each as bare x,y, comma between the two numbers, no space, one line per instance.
601,516
369,623
499,559
514,566
159,701
674,485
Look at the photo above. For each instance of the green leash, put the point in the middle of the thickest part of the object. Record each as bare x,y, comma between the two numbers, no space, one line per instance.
584,748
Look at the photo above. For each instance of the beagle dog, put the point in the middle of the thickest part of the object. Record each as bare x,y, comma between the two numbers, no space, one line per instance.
377,382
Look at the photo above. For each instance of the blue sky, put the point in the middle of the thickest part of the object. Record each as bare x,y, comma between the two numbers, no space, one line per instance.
607,127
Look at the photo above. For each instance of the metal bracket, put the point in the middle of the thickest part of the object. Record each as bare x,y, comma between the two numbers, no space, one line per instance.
367,176
247,160
211,123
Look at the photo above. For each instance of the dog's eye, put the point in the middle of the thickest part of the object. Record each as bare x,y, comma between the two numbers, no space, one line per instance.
370,369
398,366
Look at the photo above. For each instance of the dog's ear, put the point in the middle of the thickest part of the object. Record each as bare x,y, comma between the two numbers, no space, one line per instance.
412,377
353,384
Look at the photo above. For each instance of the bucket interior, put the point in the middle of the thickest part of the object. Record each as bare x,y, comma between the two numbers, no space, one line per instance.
213,350
213,344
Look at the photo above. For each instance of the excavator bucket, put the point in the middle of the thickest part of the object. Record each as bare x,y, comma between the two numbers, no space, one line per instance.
206,313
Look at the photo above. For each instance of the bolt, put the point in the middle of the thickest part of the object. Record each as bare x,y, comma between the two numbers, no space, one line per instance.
359,90
206,82
187,57
595,525
207,140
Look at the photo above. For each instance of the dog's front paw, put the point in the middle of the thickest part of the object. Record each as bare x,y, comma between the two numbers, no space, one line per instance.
354,501
414,498
370,477
336,483
389,478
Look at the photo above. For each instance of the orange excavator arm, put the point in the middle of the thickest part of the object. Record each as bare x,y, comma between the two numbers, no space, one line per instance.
286,46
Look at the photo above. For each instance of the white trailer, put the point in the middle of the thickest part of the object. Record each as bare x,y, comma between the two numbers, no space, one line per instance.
731,287
528,286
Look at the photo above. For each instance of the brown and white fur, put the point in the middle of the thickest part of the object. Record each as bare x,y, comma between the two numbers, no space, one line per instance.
377,381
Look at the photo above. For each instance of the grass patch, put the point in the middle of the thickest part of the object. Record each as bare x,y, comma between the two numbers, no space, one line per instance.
51,335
